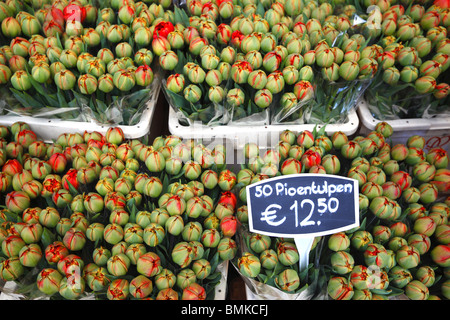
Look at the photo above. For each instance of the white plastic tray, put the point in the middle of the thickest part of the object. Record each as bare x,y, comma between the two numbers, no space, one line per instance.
436,131
49,129
237,136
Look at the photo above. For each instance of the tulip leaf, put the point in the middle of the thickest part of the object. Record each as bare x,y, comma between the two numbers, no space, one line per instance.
175,100
44,92
260,9
213,281
393,291
25,99
214,278
180,16
11,216
138,97
181,62
58,40
101,106
131,204
47,237
165,183
161,251
214,260
383,292
61,99
80,98
72,189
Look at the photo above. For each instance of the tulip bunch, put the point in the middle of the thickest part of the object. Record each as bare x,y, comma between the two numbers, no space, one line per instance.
413,53
274,261
401,245
74,60
241,61
100,216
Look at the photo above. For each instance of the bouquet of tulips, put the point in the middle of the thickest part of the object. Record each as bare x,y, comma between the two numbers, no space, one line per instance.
401,246
98,216
413,53
78,61
268,265
264,62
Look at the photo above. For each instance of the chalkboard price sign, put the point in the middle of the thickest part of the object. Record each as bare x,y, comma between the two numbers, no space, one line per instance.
299,205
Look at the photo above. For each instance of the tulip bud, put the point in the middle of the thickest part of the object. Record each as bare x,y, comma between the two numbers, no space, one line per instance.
416,290
48,281
303,90
339,288
399,276
342,262
17,201
31,233
288,280
376,254
271,61
235,97
124,80
338,241
227,180
113,233
426,275
165,279
249,265
196,45
118,264
12,245
118,289
74,239
149,264
428,193
361,239
425,84
175,82
55,251
140,287
287,253
438,157
408,257
20,80
174,224
360,277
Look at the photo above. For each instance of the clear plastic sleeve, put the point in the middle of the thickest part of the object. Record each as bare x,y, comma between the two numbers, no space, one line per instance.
125,109
393,102
310,285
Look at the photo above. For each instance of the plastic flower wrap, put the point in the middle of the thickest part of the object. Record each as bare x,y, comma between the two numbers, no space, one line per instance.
78,62
403,207
270,266
412,82
275,66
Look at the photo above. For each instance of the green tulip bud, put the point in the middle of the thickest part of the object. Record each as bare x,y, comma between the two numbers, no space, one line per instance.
288,280
249,265
416,290
20,80
339,288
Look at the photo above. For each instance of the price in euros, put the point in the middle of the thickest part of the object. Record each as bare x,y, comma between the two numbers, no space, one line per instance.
324,205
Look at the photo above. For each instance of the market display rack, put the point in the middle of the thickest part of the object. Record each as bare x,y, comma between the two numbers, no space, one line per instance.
236,136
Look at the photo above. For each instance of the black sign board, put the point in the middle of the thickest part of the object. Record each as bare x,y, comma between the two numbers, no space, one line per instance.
303,205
